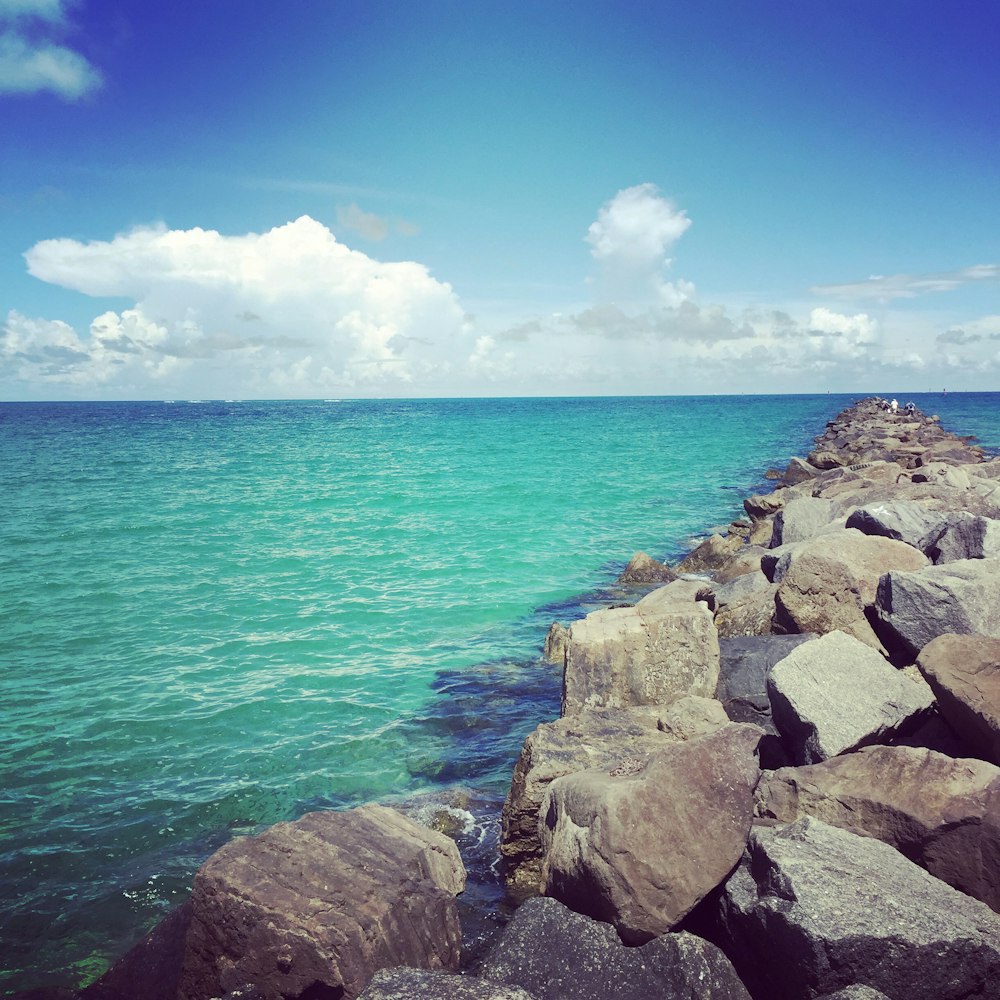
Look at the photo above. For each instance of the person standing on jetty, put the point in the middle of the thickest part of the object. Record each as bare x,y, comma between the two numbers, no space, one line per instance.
894,405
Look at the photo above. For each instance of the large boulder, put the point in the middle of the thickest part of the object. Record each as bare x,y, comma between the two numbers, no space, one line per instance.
942,813
812,909
419,984
662,649
801,518
713,552
964,674
836,694
321,904
629,846
903,520
596,739
960,597
745,663
828,583
747,612
965,536
557,954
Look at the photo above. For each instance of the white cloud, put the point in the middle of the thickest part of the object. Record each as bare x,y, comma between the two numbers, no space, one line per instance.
886,288
289,308
630,240
31,66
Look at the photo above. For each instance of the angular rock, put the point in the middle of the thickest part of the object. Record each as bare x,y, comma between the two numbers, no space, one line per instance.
960,597
750,615
586,740
557,954
904,520
643,568
764,504
745,561
834,910
827,583
836,694
555,643
692,717
941,813
322,904
856,991
964,674
419,984
964,536
799,471
711,553
629,846
800,519
740,587
653,653
744,666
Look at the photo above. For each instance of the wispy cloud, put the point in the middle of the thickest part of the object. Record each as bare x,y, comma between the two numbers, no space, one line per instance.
31,61
370,226
886,288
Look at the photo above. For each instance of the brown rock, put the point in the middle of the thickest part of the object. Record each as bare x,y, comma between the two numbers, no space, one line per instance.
555,643
750,615
643,568
942,813
321,904
713,552
964,674
630,846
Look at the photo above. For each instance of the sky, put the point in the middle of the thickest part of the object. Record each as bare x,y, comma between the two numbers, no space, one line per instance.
377,198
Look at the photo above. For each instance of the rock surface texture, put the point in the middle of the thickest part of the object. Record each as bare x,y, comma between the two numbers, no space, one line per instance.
321,904
557,954
419,984
629,846
830,909
836,694
964,674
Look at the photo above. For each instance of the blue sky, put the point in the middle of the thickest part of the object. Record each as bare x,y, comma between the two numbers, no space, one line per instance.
233,199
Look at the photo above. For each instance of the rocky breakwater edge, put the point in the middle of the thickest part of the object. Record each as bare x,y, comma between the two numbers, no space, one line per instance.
775,775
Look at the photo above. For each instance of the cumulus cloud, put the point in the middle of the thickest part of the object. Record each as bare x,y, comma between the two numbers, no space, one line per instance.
31,62
319,313
886,288
630,240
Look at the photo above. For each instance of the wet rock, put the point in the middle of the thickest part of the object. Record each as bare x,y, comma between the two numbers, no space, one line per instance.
629,846
710,554
555,643
321,904
557,954
643,568
833,909
654,653
964,674
960,597
836,694
943,814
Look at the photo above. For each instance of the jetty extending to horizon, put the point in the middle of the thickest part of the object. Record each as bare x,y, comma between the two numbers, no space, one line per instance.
776,775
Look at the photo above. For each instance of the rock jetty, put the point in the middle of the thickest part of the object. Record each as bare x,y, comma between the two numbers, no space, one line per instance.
775,776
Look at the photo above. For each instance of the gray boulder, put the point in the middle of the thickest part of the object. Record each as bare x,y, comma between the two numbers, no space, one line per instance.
960,597
751,614
662,649
836,694
857,991
964,674
801,518
904,520
419,984
556,640
745,663
832,909
942,813
597,739
964,536
713,552
799,471
557,954
322,904
629,846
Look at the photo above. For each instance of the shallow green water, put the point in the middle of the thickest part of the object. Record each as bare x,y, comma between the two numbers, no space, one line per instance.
218,615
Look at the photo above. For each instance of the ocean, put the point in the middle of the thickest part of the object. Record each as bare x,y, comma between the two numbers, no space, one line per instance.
218,615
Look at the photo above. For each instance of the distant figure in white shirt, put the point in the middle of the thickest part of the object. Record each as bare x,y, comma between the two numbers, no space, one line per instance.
894,405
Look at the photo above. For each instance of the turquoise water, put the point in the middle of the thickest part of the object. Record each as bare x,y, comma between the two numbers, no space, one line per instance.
215,616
